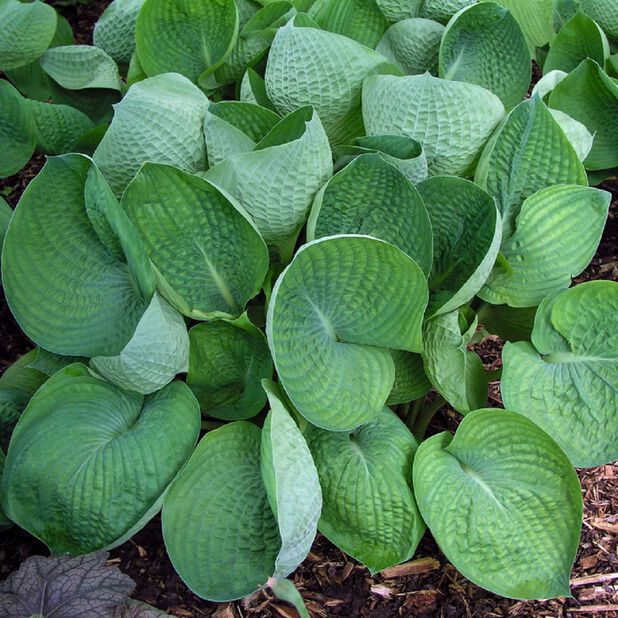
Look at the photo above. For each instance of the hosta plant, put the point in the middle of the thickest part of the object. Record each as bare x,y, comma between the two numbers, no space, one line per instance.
252,289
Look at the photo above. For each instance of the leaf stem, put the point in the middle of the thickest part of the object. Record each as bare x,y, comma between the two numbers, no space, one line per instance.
424,418
413,412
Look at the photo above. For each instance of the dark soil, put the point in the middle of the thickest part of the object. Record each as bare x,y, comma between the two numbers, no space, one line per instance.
331,583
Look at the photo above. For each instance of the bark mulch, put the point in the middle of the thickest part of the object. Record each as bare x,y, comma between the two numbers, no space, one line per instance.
331,583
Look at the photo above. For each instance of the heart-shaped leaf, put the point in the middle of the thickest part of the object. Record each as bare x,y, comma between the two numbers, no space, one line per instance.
512,498
210,258
451,119
227,363
334,314
369,510
556,235
566,380
372,197
74,474
483,44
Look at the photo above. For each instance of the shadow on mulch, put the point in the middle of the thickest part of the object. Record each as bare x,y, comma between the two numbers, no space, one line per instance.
331,583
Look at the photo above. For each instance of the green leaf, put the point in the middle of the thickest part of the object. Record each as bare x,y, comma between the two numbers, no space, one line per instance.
74,474
285,590
442,10
566,380
26,31
227,362
78,67
210,259
277,181
158,350
253,90
456,373
161,120
405,153
528,152
413,45
332,86
58,127
361,20
466,240
67,291
581,139
5,522
483,44
291,481
17,131
503,502
185,36
589,95
398,10
114,31
547,83
557,233
451,119
369,510
333,314
536,18
222,477
509,323
6,212
234,127
604,13
411,382
578,39
372,197
49,363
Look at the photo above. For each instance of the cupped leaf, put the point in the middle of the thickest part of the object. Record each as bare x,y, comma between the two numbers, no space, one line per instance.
411,382
556,235
397,10
227,363
78,67
484,44
566,381
277,181
221,490
528,152
604,13
58,127
589,95
513,499
333,314
578,39
26,31
185,36
161,120
466,240
64,586
292,484
547,83
366,476
210,259
509,323
158,350
456,372
451,119
74,474
17,130
234,127
114,32
442,10
536,18
413,45
361,20
372,197
405,153
581,139
68,292
332,86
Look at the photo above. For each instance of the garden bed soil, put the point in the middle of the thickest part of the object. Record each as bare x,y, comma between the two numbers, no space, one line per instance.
331,583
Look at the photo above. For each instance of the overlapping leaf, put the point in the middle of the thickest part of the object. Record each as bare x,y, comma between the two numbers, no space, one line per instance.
114,32
566,379
334,312
512,498
74,474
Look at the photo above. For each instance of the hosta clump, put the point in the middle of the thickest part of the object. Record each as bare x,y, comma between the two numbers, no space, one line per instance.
299,221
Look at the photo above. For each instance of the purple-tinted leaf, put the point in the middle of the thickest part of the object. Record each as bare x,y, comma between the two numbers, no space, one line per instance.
64,587
136,609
